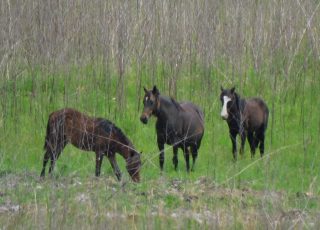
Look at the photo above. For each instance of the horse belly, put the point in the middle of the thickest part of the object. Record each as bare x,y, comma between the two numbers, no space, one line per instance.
170,139
84,141
255,122
167,136
255,113
180,140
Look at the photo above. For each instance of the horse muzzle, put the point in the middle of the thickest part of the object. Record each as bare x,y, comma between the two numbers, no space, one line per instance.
134,173
144,119
224,117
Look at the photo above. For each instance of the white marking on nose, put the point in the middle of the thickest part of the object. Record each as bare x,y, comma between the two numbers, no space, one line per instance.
224,112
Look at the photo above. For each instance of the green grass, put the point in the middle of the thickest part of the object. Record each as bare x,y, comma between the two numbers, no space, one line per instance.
250,193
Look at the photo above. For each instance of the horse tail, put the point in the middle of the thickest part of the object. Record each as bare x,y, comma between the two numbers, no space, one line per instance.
51,131
266,117
200,113
46,141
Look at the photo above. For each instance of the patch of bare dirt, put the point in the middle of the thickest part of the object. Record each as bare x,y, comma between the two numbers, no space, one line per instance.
9,207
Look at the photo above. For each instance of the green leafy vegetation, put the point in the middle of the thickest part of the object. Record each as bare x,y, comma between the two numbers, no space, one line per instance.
97,56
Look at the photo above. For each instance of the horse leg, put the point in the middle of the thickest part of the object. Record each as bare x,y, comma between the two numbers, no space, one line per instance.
233,137
194,151
99,158
52,161
53,158
186,156
114,165
45,161
161,156
243,135
55,154
175,157
251,140
261,138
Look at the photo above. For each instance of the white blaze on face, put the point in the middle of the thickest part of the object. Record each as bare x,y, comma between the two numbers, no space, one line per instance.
224,112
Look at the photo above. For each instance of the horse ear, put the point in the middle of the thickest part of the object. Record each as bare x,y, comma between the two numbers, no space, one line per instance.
145,90
155,91
221,88
233,89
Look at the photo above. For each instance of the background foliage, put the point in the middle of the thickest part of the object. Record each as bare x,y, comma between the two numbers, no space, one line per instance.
96,56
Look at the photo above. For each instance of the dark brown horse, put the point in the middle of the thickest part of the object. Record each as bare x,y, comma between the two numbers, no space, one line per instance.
90,134
178,124
246,117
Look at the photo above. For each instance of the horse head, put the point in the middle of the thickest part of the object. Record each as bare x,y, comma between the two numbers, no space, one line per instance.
134,165
150,104
229,99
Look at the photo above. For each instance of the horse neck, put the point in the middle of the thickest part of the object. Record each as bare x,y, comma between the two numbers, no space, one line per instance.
124,146
167,108
126,151
237,108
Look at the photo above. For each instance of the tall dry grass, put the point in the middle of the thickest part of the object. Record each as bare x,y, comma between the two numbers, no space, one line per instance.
177,34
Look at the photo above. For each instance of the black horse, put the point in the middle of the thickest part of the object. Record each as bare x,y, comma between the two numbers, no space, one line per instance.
90,134
246,117
178,124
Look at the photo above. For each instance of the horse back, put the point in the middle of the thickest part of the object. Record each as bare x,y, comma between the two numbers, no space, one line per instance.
256,113
184,124
193,110
192,119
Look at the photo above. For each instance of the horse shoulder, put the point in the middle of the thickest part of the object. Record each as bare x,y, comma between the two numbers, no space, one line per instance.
192,119
191,111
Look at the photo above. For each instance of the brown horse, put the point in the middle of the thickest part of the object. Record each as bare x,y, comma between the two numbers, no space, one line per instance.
90,134
246,117
178,124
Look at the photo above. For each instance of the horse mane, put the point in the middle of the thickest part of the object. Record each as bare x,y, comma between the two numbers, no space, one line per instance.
123,137
176,104
240,102
109,127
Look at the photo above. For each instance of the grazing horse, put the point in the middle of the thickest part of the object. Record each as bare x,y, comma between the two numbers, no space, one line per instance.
90,134
178,124
246,117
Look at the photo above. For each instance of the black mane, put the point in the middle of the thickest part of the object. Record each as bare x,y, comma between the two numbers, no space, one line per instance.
240,102
108,127
176,104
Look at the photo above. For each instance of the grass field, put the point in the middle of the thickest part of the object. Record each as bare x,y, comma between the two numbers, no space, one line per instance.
280,190
96,56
